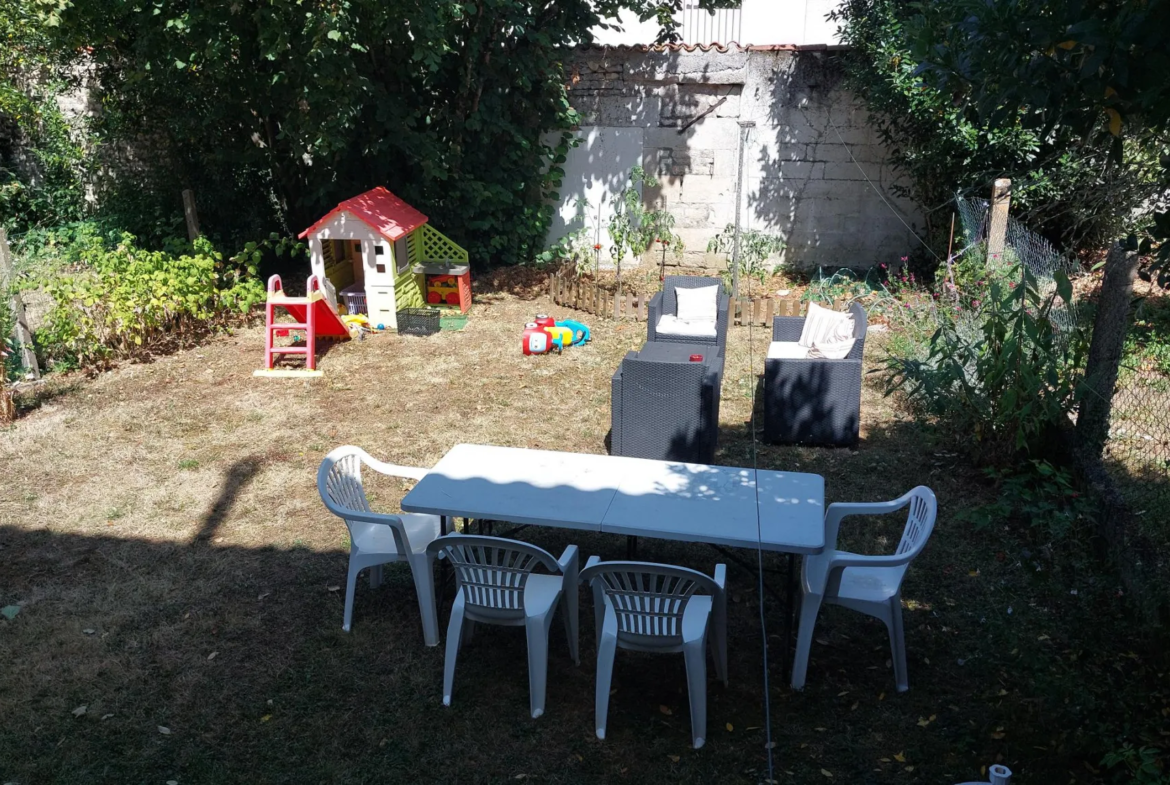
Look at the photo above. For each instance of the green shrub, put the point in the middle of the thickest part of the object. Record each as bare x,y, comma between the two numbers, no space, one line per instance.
1036,493
127,302
755,247
1004,378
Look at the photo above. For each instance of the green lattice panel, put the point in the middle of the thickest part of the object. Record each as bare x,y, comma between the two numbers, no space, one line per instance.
437,247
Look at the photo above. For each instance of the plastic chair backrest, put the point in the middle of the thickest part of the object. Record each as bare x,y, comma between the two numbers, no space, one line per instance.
339,482
343,482
492,571
648,599
919,521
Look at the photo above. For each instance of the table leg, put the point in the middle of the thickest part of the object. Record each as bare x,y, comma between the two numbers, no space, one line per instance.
789,616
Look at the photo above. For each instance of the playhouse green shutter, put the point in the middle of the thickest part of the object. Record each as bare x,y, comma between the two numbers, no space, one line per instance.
408,287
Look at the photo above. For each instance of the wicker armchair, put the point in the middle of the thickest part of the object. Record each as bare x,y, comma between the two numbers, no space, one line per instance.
666,410
665,302
813,401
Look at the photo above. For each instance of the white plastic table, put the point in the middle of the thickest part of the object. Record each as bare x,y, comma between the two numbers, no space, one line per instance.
720,505
723,506
539,487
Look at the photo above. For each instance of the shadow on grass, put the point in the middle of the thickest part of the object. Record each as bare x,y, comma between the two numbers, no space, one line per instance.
237,651
239,475
30,396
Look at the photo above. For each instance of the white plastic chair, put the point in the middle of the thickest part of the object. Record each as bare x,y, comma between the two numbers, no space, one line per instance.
996,774
377,539
656,608
868,584
497,585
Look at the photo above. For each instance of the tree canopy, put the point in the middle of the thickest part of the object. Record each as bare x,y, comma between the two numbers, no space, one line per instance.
272,112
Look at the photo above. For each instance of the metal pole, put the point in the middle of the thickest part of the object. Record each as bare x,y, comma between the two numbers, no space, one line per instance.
745,127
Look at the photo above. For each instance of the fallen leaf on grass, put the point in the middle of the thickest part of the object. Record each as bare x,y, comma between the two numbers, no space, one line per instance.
213,655
665,710
265,594
266,718
922,722
1002,693
998,734
900,758
106,717
338,588
729,727
827,773
80,710
673,758
9,611
164,730
973,573
855,705
770,745
89,631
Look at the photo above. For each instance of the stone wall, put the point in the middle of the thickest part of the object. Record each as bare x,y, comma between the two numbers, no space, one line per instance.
806,162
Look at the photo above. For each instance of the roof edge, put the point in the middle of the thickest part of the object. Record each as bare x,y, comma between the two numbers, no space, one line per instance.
730,46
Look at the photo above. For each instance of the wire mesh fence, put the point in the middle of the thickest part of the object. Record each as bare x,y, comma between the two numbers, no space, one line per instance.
1137,452
1021,247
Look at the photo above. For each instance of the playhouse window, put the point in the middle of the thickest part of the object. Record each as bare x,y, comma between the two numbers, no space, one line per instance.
379,250
401,262
357,246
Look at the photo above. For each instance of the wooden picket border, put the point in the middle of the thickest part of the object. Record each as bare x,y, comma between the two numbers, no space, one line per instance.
569,291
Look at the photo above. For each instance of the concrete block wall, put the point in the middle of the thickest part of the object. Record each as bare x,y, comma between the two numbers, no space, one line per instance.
813,167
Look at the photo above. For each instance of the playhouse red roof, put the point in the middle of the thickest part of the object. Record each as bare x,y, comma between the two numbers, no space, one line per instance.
379,209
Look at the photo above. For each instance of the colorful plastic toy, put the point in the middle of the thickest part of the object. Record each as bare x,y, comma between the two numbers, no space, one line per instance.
545,334
580,331
376,255
537,340
314,319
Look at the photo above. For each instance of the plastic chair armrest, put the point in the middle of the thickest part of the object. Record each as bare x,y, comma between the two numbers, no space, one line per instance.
838,511
721,576
394,470
569,562
591,561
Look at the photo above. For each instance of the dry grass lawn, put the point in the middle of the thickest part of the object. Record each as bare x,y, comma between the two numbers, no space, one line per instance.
180,618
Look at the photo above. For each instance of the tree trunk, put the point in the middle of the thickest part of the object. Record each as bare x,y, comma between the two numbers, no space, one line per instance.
1109,330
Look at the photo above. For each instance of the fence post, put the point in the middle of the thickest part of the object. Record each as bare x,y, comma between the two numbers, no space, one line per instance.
190,214
1001,199
1109,329
23,335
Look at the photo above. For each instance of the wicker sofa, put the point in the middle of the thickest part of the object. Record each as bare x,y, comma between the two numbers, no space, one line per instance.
813,401
667,410
665,302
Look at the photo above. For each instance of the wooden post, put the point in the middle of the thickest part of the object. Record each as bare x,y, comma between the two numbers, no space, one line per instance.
1001,198
190,214
1105,351
28,357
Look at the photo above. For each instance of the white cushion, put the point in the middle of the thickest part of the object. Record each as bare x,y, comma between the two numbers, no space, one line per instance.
831,350
698,305
672,325
786,350
826,327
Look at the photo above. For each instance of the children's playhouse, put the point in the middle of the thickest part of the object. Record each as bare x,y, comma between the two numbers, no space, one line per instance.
377,255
